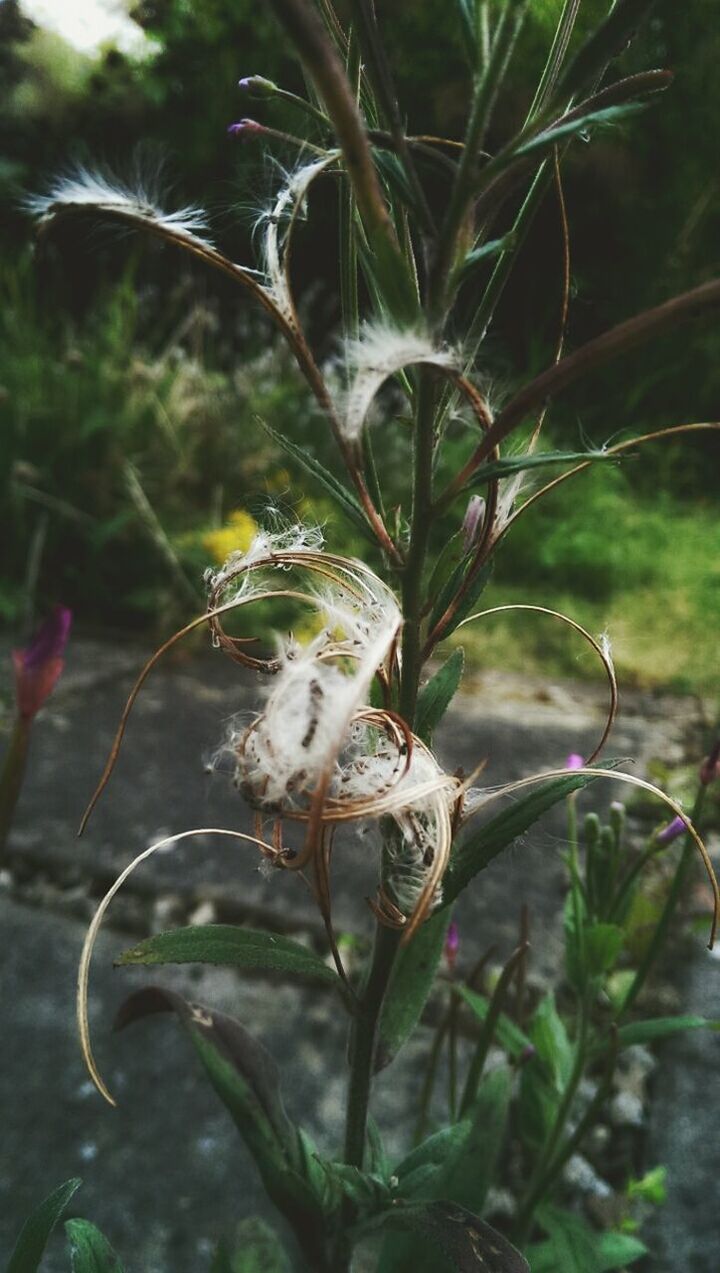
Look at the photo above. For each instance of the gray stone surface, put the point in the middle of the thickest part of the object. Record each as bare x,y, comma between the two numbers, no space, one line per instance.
684,1131
166,1173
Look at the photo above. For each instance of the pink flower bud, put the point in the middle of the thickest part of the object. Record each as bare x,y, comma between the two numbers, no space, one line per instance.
472,521
256,86
574,761
246,128
452,945
671,831
38,666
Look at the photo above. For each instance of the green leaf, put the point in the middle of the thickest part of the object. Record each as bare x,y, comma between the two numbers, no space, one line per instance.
479,847
605,43
489,250
227,944
450,589
520,463
31,1243
427,1160
550,1040
256,1249
411,982
470,1171
338,491
437,694
508,1034
603,943
90,1252
661,1028
467,1243
563,131
246,1079
576,1248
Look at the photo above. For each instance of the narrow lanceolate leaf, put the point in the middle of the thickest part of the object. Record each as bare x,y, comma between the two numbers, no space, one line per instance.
521,463
226,944
603,46
337,490
246,1079
468,1244
563,131
509,1035
661,1028
31,1243
90,1252
469,1172
481,845
411,983
487,252
437,694
449,591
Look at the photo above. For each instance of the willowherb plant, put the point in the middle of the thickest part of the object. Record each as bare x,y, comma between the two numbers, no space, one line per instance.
430,230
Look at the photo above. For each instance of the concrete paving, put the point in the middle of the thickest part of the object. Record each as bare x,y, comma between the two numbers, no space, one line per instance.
166,1173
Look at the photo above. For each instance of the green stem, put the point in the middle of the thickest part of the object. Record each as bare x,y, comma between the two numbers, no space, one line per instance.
364,1043
543,1173
421,519
668,911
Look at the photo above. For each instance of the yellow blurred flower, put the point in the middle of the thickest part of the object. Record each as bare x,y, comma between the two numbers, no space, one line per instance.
235,536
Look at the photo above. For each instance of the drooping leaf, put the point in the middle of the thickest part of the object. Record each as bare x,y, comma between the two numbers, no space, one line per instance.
411,982
33,1237
437,694
90,1251
479,847
226,944
661,1028
341,494
509,1035
246,1079
467,1243
513,464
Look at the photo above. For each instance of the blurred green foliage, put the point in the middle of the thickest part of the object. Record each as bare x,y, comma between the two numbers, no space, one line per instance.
97,372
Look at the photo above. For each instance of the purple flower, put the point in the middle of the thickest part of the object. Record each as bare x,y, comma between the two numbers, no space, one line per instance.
574,761
38,666
256,86
452,944
472,521
671,831
246,128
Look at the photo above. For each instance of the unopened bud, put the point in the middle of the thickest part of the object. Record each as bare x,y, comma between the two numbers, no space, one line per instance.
246,128
452,945
256,86
671,831
527,1054
472,521
592,829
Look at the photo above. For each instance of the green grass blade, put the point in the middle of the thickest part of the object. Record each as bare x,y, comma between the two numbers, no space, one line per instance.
31,1243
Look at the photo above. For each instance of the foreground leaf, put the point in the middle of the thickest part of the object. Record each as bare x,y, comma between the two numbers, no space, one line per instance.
336,489
521,463
90,1252
36,1230
246,1079
661,1028
574,1247
437,694
228,945
480,846
412,980
467,1243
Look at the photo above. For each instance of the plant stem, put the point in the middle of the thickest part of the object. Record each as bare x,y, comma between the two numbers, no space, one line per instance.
668,912
421,518
11,777
364,1042
543,1173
